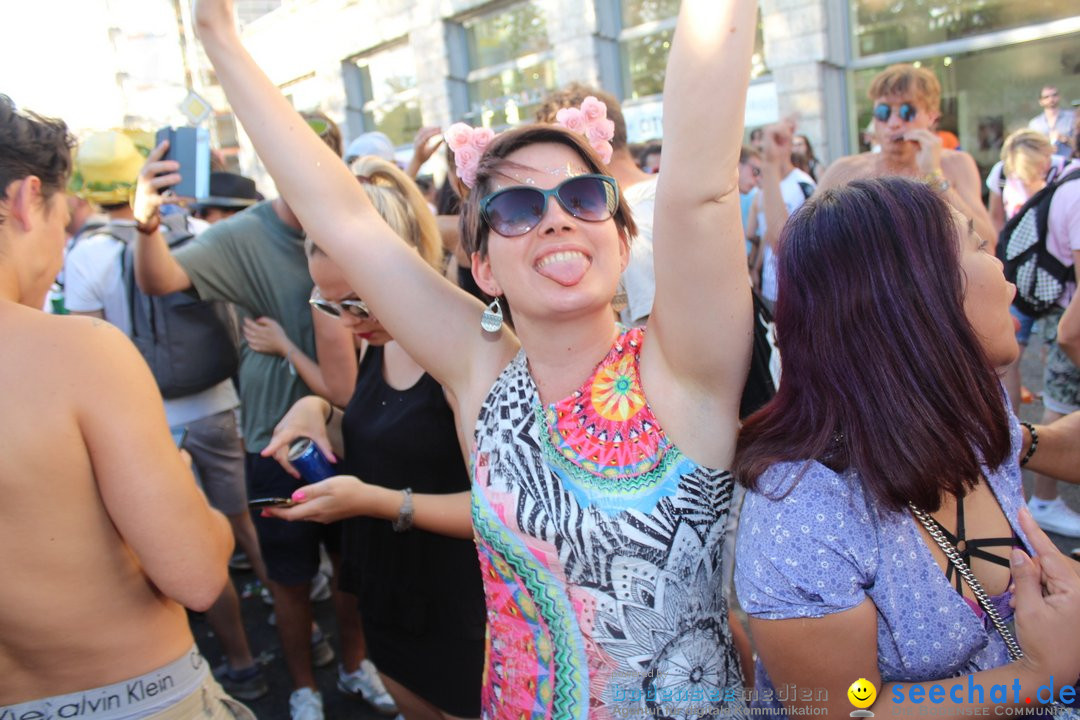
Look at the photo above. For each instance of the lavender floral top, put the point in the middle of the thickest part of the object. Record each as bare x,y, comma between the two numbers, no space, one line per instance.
823,547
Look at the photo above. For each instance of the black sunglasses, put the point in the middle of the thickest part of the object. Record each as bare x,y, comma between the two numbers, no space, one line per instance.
355,307
906,111
516,210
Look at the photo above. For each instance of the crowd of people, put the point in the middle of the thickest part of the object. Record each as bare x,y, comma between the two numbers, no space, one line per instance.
578,409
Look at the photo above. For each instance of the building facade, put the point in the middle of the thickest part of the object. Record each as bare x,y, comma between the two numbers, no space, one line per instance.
396,65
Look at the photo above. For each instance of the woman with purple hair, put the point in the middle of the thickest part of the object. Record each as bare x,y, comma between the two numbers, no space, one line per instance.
889,448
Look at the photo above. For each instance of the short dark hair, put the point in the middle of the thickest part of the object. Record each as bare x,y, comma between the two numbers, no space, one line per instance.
474,231
572,96
33,145
883,373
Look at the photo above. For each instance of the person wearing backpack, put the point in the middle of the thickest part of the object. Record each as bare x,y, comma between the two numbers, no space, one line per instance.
1038,247
1027,165
255,260
192,362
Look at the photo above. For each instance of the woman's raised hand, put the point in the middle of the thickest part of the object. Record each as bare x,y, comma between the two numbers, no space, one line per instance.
212,16
306,418
1046,597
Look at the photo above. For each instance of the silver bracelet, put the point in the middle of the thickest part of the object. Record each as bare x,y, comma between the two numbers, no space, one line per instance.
405,514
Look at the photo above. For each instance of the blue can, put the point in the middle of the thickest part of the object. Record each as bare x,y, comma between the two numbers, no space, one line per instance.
309,460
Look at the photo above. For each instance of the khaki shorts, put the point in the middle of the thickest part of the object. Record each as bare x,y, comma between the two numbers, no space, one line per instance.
218,456
209,701
1061,378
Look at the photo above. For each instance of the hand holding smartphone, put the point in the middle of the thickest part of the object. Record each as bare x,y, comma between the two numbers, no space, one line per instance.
270,502
190,147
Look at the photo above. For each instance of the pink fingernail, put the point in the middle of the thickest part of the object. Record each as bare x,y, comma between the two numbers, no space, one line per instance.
265,514
299,496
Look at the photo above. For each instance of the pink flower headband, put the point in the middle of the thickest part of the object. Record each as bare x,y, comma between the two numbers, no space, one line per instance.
468,143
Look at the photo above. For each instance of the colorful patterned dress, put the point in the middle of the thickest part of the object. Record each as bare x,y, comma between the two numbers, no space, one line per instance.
600,548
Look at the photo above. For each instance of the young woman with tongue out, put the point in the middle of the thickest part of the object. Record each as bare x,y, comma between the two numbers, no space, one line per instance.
598,502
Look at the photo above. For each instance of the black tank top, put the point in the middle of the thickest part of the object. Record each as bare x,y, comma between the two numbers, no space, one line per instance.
414,581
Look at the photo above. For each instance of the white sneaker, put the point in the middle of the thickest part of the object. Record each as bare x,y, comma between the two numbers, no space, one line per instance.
320,587
1055,516
366,683
305,704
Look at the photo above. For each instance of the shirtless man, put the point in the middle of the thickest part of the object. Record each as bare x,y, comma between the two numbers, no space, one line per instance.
907,102
106,537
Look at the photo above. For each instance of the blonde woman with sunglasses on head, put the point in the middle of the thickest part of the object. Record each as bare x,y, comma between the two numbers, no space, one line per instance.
421,597
598,496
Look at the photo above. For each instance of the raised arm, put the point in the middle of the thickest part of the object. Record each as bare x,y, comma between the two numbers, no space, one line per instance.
424,313
156,270
776,163
702,313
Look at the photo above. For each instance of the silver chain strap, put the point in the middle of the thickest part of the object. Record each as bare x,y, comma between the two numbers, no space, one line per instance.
965,572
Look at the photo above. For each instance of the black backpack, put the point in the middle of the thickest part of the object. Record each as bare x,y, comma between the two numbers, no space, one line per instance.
764,362
1040,277
188,343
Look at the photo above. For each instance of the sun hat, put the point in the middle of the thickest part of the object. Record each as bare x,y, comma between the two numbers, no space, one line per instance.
106,166
229,190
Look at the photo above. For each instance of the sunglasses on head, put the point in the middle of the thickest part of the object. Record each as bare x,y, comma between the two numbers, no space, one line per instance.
516,210
354,307
906,111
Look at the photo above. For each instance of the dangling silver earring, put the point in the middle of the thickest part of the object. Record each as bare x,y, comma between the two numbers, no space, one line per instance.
492,319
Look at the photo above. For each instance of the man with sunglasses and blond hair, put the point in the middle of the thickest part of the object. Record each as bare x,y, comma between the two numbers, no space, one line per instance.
907,102
256,260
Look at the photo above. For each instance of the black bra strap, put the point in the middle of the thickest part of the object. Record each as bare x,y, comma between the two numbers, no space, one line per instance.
972,548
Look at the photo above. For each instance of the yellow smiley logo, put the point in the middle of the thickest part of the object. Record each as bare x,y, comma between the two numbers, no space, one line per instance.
862,693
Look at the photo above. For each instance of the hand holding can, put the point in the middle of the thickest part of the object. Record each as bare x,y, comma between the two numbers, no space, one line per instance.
309,460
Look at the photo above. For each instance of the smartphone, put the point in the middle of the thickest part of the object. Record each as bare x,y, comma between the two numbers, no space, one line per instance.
179,436
270,502
190,147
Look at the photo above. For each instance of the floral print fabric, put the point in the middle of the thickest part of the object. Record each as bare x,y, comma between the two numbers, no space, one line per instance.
600,546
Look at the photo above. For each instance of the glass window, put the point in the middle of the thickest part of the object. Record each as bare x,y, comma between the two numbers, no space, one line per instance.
506,35
881,26
987,94
645,40
391,102
511,65
638,12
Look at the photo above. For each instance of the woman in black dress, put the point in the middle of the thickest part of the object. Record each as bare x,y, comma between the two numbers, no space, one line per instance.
421,597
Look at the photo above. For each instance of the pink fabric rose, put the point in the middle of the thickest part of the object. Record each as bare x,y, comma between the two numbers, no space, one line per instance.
482,137
467,158
572,119
468,176
600,131
458,136
604,150
593,109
